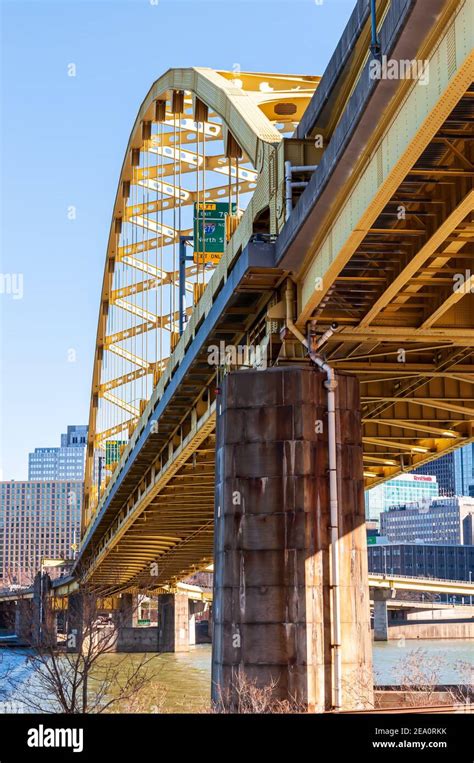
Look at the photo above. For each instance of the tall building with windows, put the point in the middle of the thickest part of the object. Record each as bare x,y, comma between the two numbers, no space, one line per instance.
63,463
447,520
401,490
464,470
37,519
453,471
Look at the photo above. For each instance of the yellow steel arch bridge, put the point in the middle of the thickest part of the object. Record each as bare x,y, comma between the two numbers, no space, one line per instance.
348,200
200,136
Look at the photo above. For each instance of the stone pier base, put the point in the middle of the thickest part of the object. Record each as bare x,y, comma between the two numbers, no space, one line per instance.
381,597
272,606
173,622
23,626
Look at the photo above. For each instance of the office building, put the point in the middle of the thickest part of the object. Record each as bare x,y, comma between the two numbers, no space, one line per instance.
400,490
440,520
38,519
454,471
443,561
63,463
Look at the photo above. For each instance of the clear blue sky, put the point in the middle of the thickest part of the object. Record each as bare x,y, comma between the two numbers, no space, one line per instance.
62,144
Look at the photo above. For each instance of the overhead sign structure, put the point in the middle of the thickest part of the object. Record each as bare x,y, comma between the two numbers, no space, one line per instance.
210,230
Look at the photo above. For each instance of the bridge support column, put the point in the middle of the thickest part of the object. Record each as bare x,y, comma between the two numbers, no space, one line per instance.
173,622
132,637
128,612
75,623
24,620
381,597
272,612
44,618
193,607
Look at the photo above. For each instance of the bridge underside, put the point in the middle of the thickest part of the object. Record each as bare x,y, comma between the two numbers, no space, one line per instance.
403,297
385,250
162,510
404,331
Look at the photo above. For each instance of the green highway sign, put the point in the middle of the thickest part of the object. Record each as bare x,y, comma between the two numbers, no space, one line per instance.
210,230
112,451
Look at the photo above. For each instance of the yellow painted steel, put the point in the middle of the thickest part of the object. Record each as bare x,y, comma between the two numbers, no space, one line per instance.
402,330
389,279
229,125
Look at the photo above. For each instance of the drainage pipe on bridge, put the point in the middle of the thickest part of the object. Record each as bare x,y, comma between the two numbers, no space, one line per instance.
330,384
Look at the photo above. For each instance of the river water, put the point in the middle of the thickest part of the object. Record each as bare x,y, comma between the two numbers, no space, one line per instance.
184,678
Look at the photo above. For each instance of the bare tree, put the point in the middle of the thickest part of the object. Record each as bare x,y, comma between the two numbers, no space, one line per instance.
463,693
245,697
76,675
418,676
358,690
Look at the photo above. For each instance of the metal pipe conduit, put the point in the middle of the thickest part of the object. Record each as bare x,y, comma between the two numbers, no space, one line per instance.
330,385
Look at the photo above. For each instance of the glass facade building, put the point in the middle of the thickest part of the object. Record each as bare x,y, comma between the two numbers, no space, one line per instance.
400,490
454,471
63,463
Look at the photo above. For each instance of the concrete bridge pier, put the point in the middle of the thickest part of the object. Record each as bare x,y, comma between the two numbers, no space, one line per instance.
44,630
194,606
173,622
128,611
24,620
381,596
75,623
131,637
273,606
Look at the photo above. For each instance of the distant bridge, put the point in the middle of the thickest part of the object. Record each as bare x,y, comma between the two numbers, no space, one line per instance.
427,585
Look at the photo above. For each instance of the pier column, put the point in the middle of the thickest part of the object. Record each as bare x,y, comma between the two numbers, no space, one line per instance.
272,605
173,622
75,623
44,618
193,607
381,597
24,620
128,611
